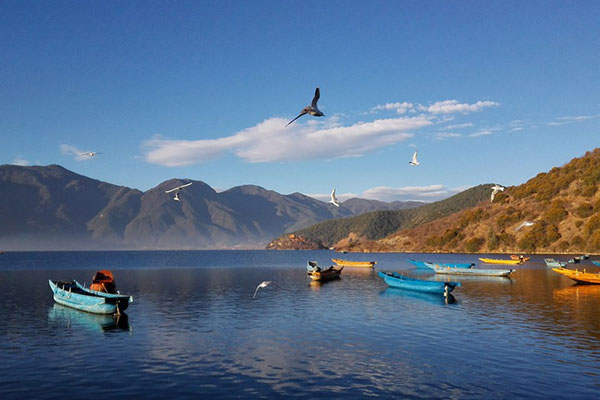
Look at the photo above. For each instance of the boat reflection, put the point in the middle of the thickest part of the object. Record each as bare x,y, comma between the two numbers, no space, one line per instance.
316,285
67,317
577,291
411,295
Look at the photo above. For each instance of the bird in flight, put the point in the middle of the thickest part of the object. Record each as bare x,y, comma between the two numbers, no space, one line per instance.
312,109
90,153
261,285
334,199
177,190
495,190
523,225
414,159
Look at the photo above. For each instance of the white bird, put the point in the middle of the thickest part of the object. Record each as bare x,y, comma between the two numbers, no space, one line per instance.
312,109
261,285
90,153
334,199
496,189
177,190
414,159
524,224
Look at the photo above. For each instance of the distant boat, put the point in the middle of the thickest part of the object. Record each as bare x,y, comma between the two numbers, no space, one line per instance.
440,269
597,262
578,276
355,264
75,295
422,264
516,257
396,280
551,262
500,261
317,274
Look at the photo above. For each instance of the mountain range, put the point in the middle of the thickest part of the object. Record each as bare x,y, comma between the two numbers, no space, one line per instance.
52,208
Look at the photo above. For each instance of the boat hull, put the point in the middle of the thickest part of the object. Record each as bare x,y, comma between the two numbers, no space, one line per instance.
396,280
551,262
499,261
596,262
354,264
72,294
579,276
325,275
422,264
439,269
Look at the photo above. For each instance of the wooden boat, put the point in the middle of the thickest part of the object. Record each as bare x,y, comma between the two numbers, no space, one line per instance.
596,262
579,276
440,269
75,295
421,264
551,262
500,261
574,260
354,264
394,279
516,257
317,274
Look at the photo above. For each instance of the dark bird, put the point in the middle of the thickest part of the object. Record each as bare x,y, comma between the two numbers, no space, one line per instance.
312,109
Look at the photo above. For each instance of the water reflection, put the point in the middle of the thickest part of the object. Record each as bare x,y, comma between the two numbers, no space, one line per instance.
66,317
428,297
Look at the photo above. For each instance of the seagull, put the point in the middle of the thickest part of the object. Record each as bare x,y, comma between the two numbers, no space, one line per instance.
261,285
90,153
496,189
334,199
177,190
524,224
312,109
414,159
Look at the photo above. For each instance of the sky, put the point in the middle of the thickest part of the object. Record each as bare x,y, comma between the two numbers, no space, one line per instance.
486,92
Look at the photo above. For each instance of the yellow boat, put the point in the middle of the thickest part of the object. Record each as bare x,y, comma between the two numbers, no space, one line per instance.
356,264
578,276
499,261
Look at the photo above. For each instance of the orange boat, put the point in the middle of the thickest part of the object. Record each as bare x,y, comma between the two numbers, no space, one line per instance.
578,276
516,257
356,264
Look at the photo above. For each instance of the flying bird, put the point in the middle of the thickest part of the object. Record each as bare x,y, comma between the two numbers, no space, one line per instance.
334,199
261,285
524,224
414,159
90,153
496,189
177,190
312,109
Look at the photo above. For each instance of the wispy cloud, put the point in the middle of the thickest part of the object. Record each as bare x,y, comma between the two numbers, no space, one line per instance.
447,135
571,119
21,161
485,132
74,152
457,126
399,107
271,141
388,194
453,106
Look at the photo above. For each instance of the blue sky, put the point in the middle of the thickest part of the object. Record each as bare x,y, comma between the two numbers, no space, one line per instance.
494,91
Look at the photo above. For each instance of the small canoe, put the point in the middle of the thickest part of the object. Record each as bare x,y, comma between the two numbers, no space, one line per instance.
440,269
499,261
551,262
596,262
579,276
516,257
73,294
396,280
354,264
317,274
421,264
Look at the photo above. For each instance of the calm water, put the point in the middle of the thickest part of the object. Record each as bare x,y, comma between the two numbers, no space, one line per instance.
194,331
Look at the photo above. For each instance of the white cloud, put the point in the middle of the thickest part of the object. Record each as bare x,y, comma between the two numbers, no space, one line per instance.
571,119
21,161
271,141
400,108
74,152
447,135
457,126
485,132
453,106
422,193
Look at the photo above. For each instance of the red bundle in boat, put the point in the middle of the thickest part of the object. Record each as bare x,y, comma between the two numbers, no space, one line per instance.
103,281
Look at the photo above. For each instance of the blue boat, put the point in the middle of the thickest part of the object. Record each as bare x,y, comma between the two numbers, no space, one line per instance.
75,295
442,269
596,262
396,280
422,264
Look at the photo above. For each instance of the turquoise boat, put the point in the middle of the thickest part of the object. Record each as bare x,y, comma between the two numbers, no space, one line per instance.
422,264
442,269
596,262
75,295
394,279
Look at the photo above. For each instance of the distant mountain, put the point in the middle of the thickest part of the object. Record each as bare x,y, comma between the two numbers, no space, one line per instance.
53,208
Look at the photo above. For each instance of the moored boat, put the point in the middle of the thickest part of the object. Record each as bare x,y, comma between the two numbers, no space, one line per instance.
440,269
354,264
75,295
579,276
500,261
394,279
317,274
596,262
422,264
551,262
520,257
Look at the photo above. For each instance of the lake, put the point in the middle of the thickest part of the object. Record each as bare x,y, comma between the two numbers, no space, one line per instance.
194,330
